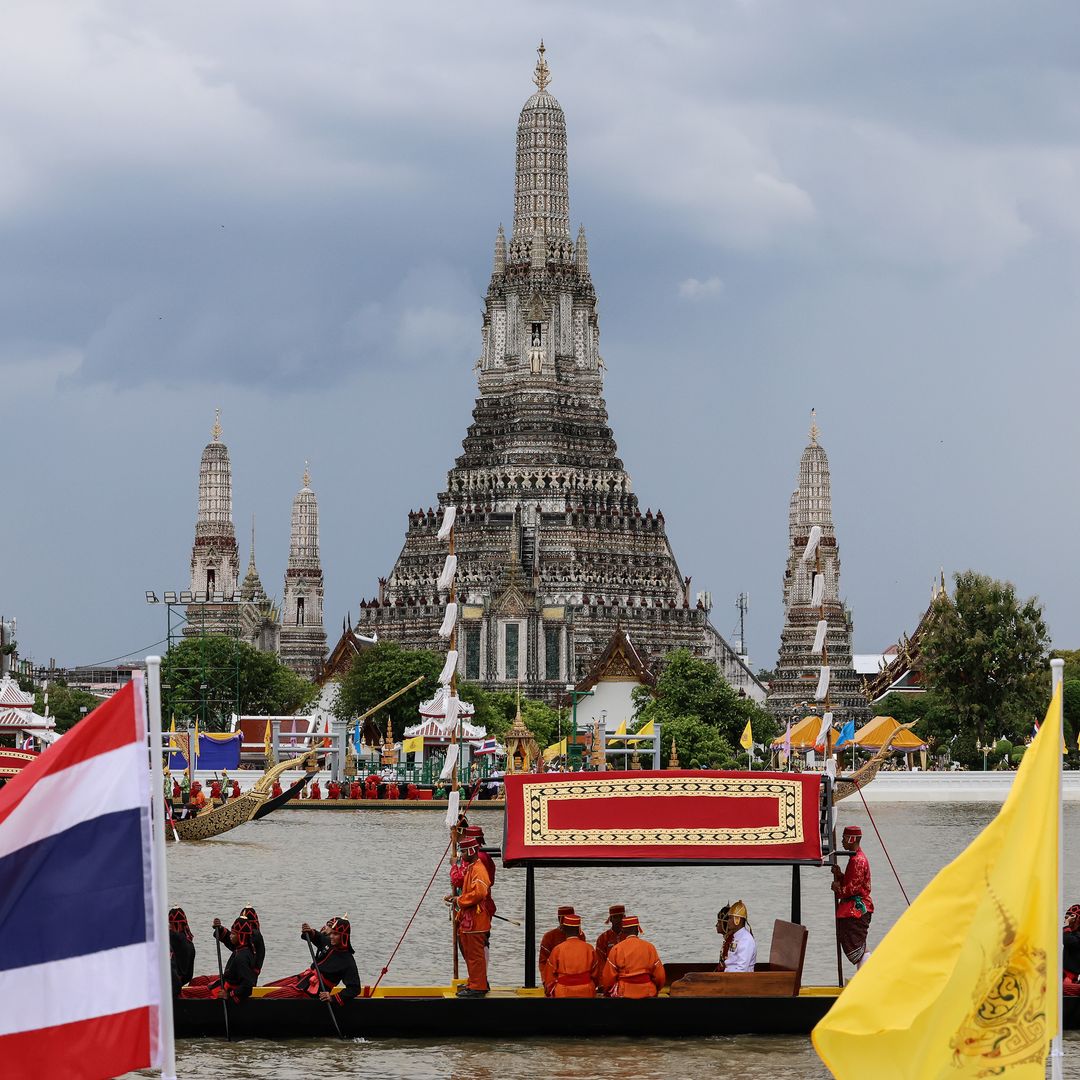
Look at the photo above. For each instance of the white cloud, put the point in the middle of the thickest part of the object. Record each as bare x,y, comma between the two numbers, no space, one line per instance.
694,289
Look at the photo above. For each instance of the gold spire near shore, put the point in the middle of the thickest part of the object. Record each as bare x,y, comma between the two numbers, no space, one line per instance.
215,431
815,431
542,75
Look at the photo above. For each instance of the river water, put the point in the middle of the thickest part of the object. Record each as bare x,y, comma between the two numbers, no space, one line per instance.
298,866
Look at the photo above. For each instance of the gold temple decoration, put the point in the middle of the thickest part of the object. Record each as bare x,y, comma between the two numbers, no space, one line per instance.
542,74
815,431
307,475
673,761
215,431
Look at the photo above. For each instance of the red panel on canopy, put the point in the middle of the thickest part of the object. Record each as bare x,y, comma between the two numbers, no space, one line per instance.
667,816
14,761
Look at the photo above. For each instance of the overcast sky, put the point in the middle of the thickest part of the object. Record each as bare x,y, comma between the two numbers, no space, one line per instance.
287,210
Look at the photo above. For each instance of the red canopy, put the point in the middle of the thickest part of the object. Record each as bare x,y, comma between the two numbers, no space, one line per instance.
670,816
14,761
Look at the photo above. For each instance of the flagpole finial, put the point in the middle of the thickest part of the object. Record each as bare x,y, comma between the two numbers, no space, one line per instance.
815,431
215,431
307,474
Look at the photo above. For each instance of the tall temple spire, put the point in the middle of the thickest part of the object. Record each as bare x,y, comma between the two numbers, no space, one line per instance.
215,559
553,549
812,598
252,588
303,639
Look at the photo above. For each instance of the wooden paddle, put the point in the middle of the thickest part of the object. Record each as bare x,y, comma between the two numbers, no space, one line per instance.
322,988
221,976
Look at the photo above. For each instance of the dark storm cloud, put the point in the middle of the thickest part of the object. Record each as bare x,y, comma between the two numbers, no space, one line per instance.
289,211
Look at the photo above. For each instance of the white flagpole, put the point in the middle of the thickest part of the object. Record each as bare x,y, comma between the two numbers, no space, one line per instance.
1057,670
161,886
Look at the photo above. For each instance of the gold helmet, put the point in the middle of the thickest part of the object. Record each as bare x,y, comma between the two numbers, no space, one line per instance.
737,911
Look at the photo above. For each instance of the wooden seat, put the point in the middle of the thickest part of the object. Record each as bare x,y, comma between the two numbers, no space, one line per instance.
781,976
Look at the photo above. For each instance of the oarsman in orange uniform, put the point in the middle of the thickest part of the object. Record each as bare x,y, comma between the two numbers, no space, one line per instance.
551,939
473,920
609,938
633,968
570,968
198,799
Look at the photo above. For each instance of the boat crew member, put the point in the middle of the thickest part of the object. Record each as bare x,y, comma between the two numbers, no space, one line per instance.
609,937
371,785
240,974
334,964
392,790
1070,941
198,798
235,789
473,918
181,950
316,791
215,791
570,966
633,968
275,791
552,938
333,790
177,791
354,790
852,889
477,831
258,946
739,951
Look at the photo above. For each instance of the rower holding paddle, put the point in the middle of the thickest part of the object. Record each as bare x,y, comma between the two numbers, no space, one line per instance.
258,946
239,976
181,950
333,964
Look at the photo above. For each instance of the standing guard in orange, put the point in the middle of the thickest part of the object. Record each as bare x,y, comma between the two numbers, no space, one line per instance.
633,968
551,939
609,938
473,919
570,968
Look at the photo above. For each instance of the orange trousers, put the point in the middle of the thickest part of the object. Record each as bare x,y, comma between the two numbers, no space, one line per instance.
472,948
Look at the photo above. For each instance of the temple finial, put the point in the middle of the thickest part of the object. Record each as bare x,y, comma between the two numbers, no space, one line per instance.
542,75
815,431
499,264
252,562
215,431
307,475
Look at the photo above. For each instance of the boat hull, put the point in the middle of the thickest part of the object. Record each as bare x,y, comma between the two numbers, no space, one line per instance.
504,1017
508,1016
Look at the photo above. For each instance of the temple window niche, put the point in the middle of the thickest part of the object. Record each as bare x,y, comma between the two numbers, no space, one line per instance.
552,665
300,611
511,650
472,653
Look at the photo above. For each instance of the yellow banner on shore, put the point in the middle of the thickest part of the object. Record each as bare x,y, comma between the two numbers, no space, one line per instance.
415,745
746,739
964,983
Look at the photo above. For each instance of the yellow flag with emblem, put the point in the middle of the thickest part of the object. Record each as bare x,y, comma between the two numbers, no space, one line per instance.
746,739
413,746
555,750
964,983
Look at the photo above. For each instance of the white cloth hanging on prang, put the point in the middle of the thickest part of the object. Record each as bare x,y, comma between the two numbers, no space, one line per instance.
823,730
811,543
819,590
822,684
449,621
819,637
447,576
449,668
455,796
449,515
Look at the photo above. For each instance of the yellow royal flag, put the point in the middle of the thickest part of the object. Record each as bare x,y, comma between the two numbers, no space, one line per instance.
746,739
964,983
643,731
620,730
555,750
415,745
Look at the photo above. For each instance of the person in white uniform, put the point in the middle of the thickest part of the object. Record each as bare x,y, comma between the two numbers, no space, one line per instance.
739,951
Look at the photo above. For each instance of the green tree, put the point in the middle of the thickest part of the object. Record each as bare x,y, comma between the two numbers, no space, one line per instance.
210,676
378,672
496,709
66,704
692,697
1071,694
984,658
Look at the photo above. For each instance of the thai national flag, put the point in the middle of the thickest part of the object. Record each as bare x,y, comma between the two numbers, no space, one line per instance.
79,977
488,746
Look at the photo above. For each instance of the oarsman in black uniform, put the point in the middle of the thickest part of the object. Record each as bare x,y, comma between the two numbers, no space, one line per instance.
240,973
181,950
258,946
334,964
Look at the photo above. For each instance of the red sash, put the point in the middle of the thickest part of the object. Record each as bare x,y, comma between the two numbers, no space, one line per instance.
637,977
579,978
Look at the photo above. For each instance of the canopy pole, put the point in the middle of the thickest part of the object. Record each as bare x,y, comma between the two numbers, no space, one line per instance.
1057,673
530,928
796,894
